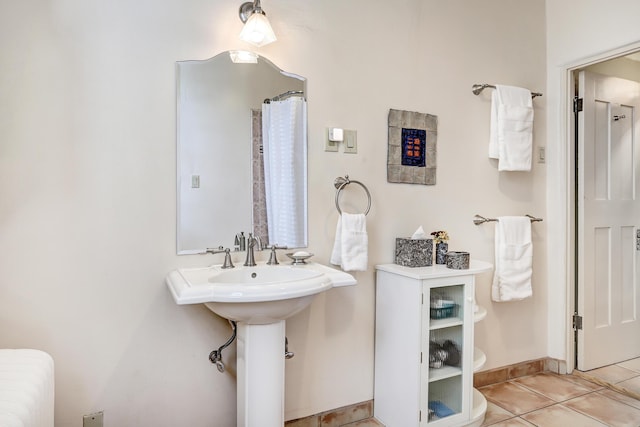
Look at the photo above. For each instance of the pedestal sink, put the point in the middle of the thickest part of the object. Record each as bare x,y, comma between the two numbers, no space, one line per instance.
259,299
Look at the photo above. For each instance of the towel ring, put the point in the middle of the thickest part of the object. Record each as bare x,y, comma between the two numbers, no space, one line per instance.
342,182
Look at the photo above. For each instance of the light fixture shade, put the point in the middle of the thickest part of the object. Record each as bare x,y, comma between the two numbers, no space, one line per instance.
257,30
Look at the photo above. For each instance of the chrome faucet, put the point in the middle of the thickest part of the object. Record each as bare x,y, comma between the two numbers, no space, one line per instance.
227,255
252,241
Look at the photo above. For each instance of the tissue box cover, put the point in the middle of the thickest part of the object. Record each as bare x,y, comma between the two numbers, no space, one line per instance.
414,253
457,260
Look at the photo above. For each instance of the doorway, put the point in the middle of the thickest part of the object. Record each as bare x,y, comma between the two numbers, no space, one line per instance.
607,212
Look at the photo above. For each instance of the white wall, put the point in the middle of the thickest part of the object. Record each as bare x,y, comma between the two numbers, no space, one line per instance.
87,177
578,32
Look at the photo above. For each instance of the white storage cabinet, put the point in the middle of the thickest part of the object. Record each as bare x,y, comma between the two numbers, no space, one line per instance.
405,386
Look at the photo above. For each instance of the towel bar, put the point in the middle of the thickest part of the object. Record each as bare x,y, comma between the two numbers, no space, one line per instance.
477,88
479,219
341,182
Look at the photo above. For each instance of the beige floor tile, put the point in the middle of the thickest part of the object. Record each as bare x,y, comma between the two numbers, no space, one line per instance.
495,414
632,385
611,412
560,416
583,382
552,386
612,394
612,374
633,364
513,422
514,398
369,422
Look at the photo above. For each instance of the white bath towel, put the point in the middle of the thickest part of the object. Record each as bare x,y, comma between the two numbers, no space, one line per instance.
511,134
514,256
350,249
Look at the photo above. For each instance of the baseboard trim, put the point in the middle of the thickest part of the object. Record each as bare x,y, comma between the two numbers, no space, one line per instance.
336,417
530,367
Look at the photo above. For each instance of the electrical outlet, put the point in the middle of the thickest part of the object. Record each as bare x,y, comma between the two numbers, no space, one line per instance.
93,420
328,144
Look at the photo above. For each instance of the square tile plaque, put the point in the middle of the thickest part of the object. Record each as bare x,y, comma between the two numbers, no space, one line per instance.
411,156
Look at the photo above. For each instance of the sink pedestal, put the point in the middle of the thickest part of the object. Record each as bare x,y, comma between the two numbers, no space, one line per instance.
260,366
259,298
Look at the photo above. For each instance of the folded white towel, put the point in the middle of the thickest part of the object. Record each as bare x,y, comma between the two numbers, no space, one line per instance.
514,257
511,133
350,249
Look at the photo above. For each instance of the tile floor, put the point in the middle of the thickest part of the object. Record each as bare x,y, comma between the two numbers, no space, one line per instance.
551,400
623,377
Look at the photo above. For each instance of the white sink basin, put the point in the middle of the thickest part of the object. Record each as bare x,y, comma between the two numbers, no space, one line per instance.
255,295
259,298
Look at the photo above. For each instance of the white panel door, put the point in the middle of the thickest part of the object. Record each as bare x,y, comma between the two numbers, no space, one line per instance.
608,220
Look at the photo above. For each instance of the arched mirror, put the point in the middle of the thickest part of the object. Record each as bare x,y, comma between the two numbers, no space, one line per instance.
242,153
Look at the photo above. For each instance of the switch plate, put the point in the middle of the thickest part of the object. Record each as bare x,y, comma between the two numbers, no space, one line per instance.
195,181
542,154
328,144
93,420
350,141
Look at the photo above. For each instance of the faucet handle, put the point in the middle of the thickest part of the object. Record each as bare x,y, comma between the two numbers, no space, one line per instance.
227,255
273,259
259,245
214,251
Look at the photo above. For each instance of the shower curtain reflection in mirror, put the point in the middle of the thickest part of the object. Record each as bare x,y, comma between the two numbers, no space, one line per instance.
280,199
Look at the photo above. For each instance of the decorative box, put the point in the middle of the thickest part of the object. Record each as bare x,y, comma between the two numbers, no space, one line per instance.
457,260
414,252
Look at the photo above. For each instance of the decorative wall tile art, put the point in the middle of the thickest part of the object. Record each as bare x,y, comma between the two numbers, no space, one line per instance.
411,156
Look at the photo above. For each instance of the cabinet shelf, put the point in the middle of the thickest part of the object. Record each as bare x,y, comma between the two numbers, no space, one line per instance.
479,408
443,373
479,359
480,314
444,323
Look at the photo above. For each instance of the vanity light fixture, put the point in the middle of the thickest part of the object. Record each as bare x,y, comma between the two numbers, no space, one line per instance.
257,29
243,57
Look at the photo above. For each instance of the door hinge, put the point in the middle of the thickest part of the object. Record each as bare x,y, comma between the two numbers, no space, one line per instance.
577,104
577,322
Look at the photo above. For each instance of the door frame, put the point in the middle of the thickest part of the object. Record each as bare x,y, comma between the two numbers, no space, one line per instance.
563,214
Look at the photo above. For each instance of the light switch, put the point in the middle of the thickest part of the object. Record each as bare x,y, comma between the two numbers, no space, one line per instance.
195,181
542,155
350,141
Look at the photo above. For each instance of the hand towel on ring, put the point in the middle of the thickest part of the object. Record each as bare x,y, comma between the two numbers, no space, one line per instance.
350,249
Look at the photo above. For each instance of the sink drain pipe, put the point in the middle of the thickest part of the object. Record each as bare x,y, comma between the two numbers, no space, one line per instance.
216,355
